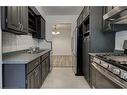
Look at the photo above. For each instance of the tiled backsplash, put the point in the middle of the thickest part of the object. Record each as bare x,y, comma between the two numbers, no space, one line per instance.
12,42
119,39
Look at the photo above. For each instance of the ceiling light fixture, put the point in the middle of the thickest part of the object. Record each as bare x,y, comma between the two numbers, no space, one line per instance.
55,32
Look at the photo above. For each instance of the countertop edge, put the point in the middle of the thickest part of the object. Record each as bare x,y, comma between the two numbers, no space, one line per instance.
25,62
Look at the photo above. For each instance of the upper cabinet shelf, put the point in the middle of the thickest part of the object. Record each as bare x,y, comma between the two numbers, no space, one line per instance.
83,16
40,34
36,23
32,21
15,19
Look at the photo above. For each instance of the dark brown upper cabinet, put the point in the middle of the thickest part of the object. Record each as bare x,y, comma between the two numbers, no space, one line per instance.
83,16
40,34
32,20
15,19
24,19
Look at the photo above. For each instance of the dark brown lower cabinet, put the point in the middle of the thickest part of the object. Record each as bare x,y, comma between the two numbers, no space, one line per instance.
34,78
31,75
30,80
43,71
37,78
46,68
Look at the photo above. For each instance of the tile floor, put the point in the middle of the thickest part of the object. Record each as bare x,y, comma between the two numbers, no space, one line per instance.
64,78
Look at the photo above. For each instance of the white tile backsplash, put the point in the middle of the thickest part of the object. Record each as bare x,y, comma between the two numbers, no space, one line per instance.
12,42
119,39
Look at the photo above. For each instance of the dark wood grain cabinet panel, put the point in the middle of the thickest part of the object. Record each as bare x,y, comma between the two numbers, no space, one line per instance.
32,65
37,78
15,19
40,33
24,19
31,80
43,71
34,78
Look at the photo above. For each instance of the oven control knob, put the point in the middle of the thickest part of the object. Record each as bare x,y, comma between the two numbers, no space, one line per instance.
116,71
124,76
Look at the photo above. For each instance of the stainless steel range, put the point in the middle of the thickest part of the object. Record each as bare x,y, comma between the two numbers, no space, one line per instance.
115,63
109,70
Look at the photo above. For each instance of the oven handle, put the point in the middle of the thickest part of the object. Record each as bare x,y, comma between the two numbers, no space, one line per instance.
108,76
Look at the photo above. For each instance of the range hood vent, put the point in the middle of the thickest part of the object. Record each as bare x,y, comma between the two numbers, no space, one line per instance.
114,13
121,20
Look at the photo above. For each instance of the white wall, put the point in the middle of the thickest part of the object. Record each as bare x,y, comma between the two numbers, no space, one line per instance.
62,43
0,52
119,39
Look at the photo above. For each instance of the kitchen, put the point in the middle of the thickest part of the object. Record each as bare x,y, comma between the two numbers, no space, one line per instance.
98,46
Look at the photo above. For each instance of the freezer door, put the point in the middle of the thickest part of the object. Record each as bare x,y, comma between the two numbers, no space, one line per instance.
86,65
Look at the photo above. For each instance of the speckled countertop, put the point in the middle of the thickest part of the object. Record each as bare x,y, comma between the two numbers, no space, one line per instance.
94,54
21,57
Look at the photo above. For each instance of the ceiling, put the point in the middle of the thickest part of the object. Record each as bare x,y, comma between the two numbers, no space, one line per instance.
62,10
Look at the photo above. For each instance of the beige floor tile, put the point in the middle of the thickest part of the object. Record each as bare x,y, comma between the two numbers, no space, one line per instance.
64,78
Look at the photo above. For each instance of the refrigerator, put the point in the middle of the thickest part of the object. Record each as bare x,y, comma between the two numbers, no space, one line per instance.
74,50
77,39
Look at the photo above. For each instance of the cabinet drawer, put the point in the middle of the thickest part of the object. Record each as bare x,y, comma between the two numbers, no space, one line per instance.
33,64
44,56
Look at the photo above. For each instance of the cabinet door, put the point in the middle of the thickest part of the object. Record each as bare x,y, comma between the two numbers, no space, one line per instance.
106,24
38,77
48,65
43,28
31,80
13,18
24,19
43,71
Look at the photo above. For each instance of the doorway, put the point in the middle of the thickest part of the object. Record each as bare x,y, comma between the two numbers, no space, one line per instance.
62,45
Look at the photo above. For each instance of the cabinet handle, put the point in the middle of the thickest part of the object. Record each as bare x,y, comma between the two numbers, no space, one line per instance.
36,72
6,20
21,27
36,63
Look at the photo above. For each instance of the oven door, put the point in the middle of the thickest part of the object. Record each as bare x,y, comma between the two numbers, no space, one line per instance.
102,79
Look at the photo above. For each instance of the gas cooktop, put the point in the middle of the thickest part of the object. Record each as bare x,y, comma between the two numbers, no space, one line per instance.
114,57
